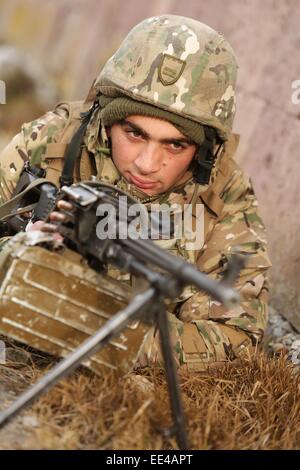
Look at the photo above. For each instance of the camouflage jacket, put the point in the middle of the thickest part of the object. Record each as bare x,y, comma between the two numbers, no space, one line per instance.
230,211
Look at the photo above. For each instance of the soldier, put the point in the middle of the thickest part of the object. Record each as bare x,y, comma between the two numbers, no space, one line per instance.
160,128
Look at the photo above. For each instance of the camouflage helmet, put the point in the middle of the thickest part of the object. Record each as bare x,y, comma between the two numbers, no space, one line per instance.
177,64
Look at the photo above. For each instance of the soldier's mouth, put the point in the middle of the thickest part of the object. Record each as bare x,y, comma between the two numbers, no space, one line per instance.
140,183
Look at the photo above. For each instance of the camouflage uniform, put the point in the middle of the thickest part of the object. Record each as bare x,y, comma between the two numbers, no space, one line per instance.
203,331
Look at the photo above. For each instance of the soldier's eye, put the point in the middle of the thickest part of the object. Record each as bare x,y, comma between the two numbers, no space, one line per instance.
136,133
133,132
177,146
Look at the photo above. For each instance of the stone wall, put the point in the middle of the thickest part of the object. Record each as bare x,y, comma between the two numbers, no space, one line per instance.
72,38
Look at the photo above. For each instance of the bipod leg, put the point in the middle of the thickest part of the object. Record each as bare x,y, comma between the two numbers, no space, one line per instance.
172,378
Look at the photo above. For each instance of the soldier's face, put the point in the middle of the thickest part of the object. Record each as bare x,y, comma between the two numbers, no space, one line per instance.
151,153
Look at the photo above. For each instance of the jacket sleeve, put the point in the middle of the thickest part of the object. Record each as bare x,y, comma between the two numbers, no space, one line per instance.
11,163
238,229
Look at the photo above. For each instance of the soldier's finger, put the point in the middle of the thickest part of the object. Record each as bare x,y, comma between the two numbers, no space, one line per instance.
27,215
50,228
35,226
65,205
57,217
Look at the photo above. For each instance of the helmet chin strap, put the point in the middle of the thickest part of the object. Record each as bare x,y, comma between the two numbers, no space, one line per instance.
204,161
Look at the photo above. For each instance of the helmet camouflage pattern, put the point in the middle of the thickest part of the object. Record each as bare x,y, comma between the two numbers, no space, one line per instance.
177,64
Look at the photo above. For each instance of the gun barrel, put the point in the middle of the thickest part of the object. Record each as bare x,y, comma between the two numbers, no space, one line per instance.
147,251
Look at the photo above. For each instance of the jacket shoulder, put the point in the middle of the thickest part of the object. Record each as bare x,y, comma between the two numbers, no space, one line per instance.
49,128
32,141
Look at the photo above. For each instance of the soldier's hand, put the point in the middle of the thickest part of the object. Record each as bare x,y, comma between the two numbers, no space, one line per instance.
45,227
54,216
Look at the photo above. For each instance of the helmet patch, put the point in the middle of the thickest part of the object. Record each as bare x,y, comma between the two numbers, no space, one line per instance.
170,69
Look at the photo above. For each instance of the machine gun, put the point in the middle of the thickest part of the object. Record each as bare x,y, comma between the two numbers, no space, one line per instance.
166,275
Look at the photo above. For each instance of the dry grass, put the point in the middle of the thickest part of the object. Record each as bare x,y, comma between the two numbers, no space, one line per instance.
252,405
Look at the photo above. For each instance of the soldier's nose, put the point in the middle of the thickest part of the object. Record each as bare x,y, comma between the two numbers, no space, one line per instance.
149,160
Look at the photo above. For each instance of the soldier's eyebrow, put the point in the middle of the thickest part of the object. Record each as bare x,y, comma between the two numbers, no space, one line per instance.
145,135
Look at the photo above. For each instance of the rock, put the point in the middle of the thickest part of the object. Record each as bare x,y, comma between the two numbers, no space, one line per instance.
30,421
282,337
140,383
